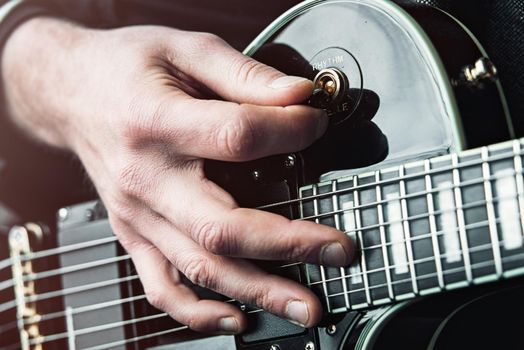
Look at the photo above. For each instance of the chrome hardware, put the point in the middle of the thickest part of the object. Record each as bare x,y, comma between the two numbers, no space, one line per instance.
27,315
331,329
63,214
331,86
289,163
310,346
274,347
476,75
256,175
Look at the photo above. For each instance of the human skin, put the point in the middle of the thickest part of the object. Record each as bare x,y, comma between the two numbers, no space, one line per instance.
142,107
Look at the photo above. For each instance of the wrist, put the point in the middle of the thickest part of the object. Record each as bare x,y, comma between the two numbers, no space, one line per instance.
36,58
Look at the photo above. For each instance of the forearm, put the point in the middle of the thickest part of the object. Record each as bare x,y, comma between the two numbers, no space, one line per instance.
34,61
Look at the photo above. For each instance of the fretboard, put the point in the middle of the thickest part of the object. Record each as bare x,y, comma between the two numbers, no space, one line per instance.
422,227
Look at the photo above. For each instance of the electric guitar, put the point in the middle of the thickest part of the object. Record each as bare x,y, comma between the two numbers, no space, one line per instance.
404,170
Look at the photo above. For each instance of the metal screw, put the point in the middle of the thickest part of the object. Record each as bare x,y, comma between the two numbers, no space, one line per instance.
310,346
290,162
18,234
90,214
274,347
63,213
331,329
256,175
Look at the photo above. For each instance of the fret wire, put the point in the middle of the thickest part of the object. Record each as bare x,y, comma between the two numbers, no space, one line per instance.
433,226
322,269
380,215
358,225
461,220
338,227
491,211
71,337
407,231
409,196
517,162
449,271
390,181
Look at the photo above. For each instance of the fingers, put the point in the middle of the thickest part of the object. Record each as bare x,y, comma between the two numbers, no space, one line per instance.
234,76
231,132
222,228
237,279
165,291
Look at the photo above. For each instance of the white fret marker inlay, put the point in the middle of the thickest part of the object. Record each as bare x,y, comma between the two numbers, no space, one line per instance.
355,273
448,222
396,231
508,209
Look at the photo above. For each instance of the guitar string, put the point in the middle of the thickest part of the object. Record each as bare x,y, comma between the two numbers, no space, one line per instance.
331,214
90,330
53,294
383,269
503,156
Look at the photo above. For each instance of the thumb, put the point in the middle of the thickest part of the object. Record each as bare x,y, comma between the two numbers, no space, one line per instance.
236,77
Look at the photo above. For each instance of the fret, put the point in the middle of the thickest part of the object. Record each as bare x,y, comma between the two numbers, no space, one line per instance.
517,163
358,226
336,208
407,233
380,213
461,220
322,269
486,173
433,225
71,337
506,199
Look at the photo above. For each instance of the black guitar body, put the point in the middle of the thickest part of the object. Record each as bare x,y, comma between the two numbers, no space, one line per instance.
359,135
411,84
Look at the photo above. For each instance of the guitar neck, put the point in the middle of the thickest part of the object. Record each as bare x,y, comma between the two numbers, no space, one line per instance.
422,227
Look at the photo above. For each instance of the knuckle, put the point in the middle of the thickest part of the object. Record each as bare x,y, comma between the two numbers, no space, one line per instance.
145,123
262,298
198,271
213,237
246,69
131,180
237,137
156,298
297,251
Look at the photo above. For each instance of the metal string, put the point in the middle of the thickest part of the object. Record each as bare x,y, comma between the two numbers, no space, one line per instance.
101,262
55,251
95,329
72,290
480,248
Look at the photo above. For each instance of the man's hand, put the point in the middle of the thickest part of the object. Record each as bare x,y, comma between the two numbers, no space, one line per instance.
134,105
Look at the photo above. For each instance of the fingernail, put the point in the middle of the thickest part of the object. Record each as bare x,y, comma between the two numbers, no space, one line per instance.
333,255
322,124
228,325
297,312
286,81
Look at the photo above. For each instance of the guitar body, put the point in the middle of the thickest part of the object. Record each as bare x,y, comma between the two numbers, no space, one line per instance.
415,85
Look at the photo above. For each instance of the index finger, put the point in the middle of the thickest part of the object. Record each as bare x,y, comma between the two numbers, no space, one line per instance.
235,132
